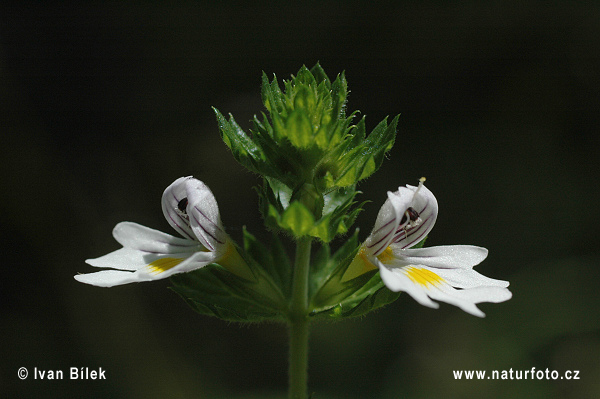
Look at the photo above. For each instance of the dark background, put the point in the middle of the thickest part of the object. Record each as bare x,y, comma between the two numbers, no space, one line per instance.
104,106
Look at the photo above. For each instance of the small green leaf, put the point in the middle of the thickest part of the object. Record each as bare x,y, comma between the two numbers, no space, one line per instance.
366,157
356,298
320,75
244,149
321,268
297,219
367,168
273,261
359,305
271,95
213,291
282,264
339,93
322,230
305,100
299,129
333,299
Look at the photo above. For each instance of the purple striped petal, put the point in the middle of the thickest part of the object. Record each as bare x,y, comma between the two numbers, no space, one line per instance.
204,217
387,222
171,201
399,225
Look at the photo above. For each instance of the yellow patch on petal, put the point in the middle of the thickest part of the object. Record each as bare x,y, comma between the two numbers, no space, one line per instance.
386,256
163,264
423,277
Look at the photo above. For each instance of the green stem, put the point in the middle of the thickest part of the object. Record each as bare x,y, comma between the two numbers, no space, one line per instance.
299,322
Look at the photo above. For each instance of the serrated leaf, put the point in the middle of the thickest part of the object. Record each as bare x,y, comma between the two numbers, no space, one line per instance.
281,191
337,213
213,291
364,159
320,137
368,167
271,95
304,77
243,148
326,289
236,139
339,93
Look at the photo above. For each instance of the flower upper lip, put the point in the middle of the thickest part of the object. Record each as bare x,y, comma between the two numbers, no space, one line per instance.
388,227
201,220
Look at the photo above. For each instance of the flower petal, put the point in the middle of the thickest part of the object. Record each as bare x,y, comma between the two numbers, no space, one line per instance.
422,282
468,278
108,278
136,236
170,265
204,215
486,294
387,222
448,256
397,281
122,259
172,199
157,269
445,293
132,259
467,298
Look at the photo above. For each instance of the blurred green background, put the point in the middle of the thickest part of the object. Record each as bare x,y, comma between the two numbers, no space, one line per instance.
104,106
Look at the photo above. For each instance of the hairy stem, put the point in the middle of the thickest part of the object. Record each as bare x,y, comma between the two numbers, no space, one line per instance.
299,322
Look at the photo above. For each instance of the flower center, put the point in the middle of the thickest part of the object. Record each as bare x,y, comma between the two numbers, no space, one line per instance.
386,256
410,214
182,208
423,277
182,205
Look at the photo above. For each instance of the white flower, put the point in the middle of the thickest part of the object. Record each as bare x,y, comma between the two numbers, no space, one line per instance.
424,273
148,254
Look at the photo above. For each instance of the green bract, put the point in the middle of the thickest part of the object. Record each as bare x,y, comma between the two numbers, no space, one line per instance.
213,291
309,153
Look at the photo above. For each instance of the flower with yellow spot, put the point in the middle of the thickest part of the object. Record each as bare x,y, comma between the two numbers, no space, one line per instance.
443,273
147,254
